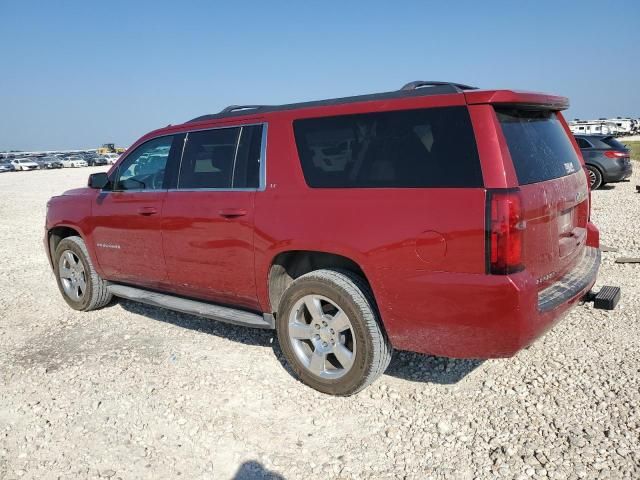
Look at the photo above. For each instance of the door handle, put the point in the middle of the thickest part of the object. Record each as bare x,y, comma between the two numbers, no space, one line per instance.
147,211
232,212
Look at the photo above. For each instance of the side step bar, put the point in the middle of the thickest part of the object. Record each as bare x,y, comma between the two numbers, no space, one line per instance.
193,307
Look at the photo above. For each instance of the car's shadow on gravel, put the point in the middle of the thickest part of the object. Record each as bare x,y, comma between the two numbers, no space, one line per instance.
417,367
253,470
236,333
409,366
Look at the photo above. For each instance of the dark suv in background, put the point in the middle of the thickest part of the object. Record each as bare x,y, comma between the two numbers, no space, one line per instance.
607,160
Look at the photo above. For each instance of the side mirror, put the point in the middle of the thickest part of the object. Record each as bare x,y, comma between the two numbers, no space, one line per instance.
98,180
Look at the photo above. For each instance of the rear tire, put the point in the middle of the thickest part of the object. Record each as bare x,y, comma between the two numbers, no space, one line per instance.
353,355
81,286
595,177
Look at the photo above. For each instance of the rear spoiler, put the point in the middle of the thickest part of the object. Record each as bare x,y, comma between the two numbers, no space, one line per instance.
528,100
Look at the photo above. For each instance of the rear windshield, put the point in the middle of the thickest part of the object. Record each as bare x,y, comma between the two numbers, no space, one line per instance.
539,146
613,143
432,147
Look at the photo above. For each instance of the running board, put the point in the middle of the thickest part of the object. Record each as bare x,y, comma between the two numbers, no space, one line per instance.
193,307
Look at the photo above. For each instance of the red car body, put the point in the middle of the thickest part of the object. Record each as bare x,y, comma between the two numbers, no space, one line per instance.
423,251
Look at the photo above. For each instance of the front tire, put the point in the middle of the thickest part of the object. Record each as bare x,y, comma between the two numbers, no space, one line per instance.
81,286
330,333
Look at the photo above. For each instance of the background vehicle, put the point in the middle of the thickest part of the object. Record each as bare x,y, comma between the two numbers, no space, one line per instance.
624,126
111,158
96,160
6,166
24,164
593,127
413,219
109,148
49,163
73,162
607,159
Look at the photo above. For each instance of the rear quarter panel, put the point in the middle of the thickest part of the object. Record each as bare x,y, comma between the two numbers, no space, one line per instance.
403,239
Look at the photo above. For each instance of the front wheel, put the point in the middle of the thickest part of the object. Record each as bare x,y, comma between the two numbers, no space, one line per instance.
80,285
330,333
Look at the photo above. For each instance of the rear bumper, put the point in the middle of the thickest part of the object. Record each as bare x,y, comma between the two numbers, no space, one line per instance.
573,283
618,173
486,316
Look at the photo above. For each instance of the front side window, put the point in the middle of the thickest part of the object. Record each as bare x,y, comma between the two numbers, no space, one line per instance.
432,147
144,168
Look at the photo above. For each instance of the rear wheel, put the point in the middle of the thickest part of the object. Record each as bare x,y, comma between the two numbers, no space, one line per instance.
329,331
80,285
595,177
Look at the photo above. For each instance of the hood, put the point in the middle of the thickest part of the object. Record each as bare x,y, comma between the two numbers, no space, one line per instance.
78,191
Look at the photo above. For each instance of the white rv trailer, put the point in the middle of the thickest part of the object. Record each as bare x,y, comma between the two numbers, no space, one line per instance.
593,127
624,126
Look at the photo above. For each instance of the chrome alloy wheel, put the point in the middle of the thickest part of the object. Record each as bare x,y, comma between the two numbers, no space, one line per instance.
72,275
322,337
592,177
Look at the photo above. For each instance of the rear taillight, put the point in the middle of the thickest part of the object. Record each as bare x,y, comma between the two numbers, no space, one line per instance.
615,154
505,227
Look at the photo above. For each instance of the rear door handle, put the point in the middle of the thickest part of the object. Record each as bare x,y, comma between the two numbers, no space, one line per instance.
233,212
147,211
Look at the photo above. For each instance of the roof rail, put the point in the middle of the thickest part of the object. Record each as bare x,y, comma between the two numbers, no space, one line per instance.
413,89
456,87
236,108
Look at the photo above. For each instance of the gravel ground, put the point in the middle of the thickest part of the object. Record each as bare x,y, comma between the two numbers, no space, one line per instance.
137,392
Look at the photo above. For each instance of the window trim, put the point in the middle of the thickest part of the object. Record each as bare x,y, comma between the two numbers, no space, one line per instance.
262,174
124,158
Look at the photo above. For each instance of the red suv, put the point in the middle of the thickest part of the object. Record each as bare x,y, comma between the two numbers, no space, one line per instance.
438,218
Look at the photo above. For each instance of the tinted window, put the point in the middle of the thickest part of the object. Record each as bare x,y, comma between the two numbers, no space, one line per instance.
412,148
582,143
539,146
247,170
613,143
208,158
144,168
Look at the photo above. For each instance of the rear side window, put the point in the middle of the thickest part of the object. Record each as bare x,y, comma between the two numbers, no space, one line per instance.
207,161
432,147
613,143
246,173
222,158
582,143
539,146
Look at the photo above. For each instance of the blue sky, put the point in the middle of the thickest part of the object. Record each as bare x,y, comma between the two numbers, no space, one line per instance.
81,73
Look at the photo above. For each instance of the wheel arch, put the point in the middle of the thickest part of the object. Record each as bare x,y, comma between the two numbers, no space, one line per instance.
288,265
58,233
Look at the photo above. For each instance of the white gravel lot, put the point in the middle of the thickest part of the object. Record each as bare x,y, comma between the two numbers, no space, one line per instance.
132,391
